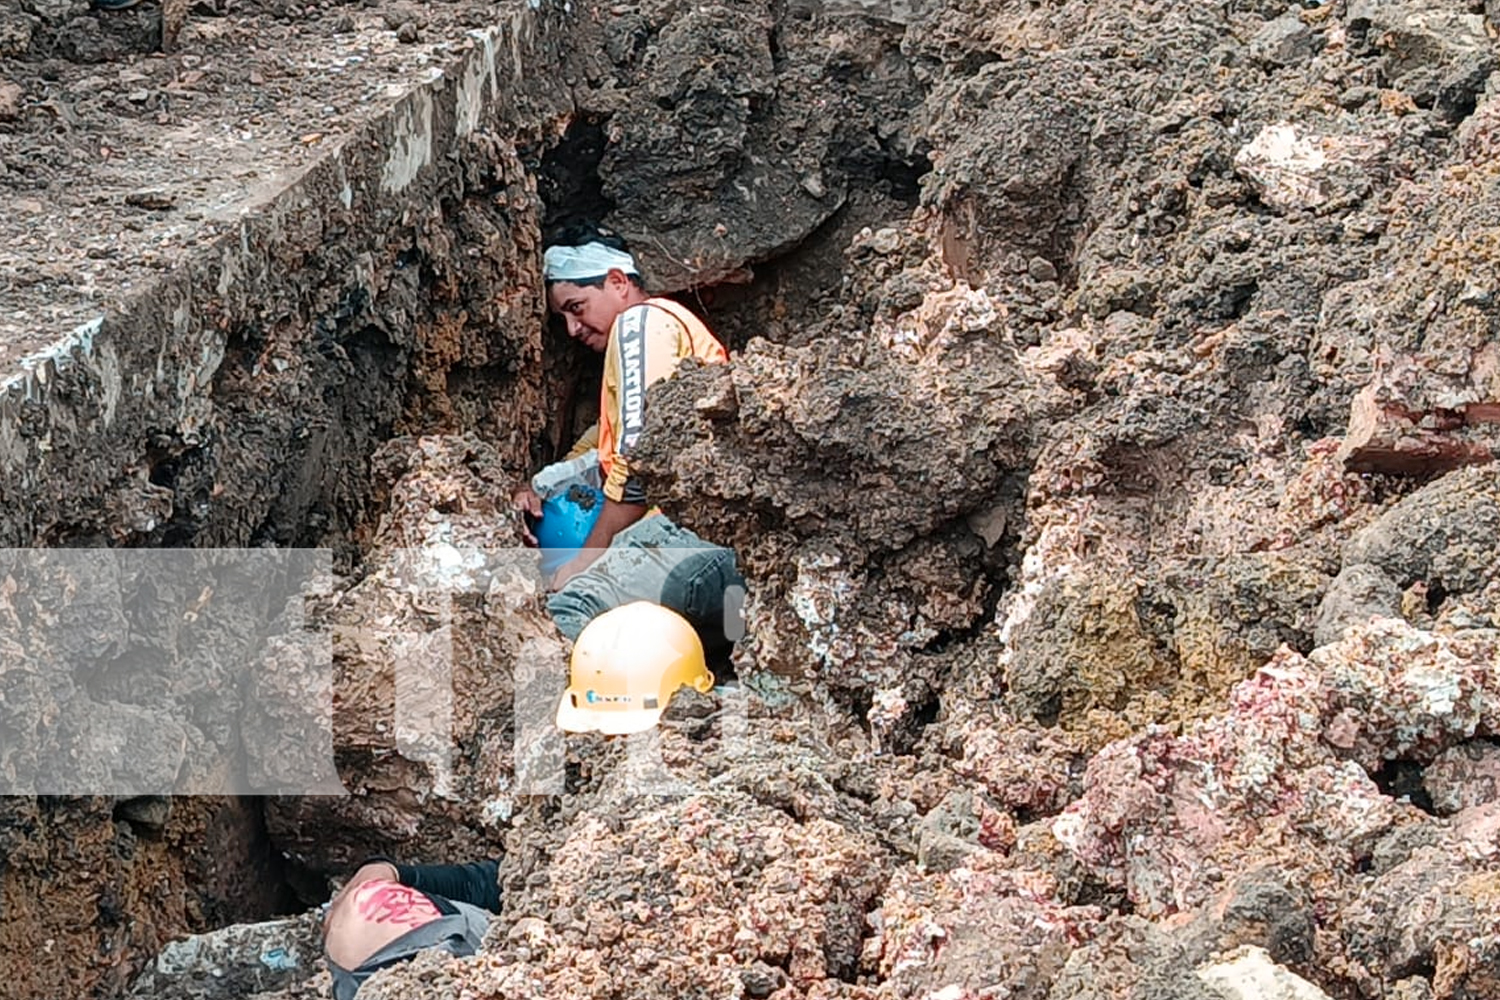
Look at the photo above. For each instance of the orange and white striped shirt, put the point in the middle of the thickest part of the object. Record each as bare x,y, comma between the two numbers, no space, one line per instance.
646,344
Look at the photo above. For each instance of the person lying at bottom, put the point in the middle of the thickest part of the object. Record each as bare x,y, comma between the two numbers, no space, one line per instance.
388,912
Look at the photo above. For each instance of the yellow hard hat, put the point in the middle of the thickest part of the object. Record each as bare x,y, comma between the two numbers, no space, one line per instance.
627,663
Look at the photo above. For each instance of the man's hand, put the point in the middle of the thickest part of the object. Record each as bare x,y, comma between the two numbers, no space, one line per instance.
525,501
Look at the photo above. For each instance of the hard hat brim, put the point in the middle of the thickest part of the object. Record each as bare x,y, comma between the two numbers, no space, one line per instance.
571,719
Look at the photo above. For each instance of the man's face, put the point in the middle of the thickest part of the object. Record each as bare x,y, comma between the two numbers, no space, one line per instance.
589,312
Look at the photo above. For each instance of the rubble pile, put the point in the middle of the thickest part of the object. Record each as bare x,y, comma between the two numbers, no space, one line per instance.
429,647
1153,710
1110,447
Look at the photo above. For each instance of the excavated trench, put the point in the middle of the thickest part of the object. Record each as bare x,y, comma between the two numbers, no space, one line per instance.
336,335
1116,487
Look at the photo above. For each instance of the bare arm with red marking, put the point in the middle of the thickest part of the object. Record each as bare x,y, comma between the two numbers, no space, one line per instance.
370,912
394,904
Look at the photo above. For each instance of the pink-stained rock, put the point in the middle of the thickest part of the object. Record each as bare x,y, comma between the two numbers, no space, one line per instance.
1023,767
1477,830
803,899
972,931
1464,776
1415,423
1391,691
1286,768
703,893
1322,493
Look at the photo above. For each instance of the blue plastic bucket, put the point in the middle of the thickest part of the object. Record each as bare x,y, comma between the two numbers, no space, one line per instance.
565,524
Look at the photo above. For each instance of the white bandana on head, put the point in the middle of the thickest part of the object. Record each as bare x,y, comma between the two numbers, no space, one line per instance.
585,263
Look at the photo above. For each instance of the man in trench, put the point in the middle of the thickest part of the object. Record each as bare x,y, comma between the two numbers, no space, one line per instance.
633,552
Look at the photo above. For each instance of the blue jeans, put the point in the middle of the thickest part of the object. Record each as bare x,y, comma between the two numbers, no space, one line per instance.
658,561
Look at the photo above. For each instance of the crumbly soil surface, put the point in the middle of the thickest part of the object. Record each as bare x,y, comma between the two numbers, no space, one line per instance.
1108,444
117,160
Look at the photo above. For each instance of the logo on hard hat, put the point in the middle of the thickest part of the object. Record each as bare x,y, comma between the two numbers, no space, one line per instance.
594,697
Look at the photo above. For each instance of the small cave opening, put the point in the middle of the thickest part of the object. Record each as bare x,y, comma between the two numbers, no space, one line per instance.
568,179
1403,779
791,295
1436,595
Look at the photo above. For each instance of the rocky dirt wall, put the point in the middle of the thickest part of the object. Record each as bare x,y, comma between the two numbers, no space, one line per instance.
93,887
1120,525
236,401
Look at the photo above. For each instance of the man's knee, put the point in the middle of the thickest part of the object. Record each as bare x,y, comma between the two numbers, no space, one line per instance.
575,606
705,586
698,582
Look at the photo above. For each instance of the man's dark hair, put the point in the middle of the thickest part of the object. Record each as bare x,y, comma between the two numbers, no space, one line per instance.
577,234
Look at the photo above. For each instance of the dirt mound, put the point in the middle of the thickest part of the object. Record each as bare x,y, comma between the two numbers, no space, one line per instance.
1118,502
